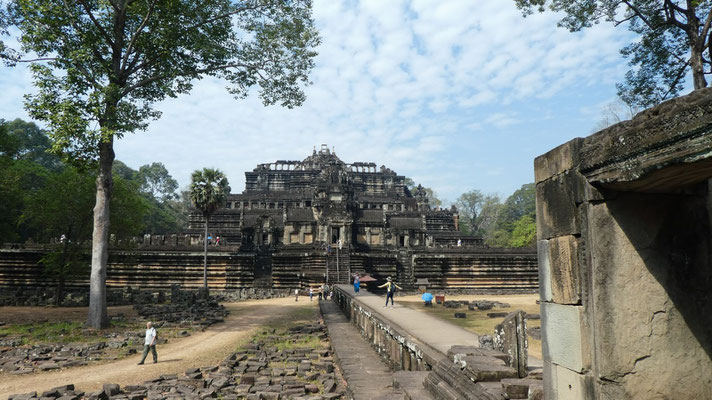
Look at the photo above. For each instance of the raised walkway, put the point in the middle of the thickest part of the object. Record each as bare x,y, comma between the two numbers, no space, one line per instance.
437,333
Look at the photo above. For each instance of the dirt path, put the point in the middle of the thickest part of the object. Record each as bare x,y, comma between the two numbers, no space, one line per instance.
201,349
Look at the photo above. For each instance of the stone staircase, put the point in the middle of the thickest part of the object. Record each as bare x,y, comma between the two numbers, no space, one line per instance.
339,270
263,270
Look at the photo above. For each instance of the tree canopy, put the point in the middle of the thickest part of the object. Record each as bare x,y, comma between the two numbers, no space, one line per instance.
674,40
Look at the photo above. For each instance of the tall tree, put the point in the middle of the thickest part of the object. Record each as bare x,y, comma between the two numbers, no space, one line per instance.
675,39
208,191
156,182
478,212
99,66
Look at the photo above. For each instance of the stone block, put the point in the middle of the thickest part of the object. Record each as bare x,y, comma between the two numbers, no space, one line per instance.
562,336
558,160
111,389
564,271
536,391
556,205
517,388
562,383
510,338
486,369
542,247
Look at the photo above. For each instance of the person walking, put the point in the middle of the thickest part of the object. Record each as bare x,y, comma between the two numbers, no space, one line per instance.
296,294
149,343
311,294
357,283
390,289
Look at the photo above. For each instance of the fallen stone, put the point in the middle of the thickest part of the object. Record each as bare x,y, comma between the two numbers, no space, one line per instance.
517,388
536,391
22,396
111,389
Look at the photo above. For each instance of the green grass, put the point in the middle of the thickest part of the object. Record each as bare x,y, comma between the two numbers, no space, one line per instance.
63,332
48,332
301,314
311,342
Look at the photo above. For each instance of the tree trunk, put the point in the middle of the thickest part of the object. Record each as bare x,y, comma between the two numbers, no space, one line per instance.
698,70
98,317
697,45
205,256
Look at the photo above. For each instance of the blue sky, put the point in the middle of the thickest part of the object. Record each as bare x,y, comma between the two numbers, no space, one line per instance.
457,95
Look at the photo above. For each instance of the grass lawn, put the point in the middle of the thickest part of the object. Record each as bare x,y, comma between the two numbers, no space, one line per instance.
477,321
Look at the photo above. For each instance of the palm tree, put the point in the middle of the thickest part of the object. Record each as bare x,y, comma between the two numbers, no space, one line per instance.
208,191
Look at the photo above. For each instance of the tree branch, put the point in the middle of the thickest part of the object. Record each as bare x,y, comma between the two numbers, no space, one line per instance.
136,34
96,23
80,31
680,75
35,59
705,30
670,9
196,72
225,15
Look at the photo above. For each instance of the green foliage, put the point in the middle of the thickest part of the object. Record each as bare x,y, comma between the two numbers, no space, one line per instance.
208,190
508,224
28,142
156,182
674,40
165,213
524,232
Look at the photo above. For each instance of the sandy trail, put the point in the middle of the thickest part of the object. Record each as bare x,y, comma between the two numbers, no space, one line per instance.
200,349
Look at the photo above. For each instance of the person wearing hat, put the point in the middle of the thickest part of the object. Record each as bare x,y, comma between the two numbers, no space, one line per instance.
390,289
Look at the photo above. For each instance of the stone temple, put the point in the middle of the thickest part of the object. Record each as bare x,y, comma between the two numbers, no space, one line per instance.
323,219
283,232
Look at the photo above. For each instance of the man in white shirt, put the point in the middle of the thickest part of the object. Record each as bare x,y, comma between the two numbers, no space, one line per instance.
149,343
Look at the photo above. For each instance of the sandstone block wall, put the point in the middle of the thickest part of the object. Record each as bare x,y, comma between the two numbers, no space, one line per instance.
624,224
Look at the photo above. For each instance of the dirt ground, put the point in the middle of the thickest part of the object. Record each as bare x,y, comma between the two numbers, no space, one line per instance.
200,349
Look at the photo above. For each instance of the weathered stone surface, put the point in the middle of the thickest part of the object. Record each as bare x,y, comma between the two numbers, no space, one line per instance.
510,337
562,328
542,247
558,160
676,134
536,391
558,215
518,388
651,283
564,270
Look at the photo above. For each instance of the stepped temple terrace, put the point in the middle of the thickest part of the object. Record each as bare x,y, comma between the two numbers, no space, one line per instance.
308,222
